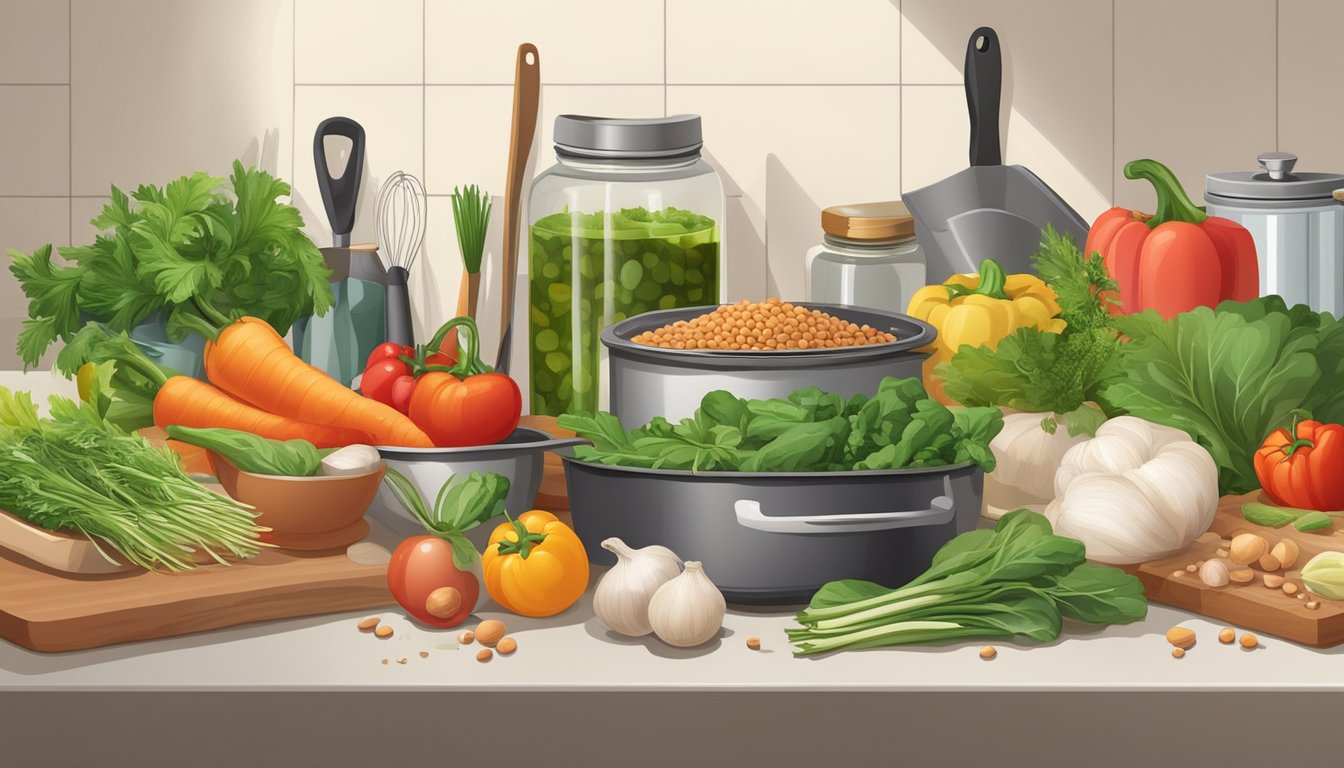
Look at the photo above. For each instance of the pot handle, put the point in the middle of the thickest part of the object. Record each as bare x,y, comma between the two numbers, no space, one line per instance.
939,512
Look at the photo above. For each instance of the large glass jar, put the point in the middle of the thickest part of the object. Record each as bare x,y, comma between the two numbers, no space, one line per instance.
629,220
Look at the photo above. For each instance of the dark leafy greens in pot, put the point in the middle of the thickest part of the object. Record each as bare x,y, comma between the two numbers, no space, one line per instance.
810,431
1019,579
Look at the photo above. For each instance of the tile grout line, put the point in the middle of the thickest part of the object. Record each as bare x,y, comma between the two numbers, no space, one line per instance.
664,58
1278,51
424,98
900,95
1114,82
293,98
70,120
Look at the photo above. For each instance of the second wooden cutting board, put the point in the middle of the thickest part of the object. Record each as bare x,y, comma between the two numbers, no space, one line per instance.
1251,605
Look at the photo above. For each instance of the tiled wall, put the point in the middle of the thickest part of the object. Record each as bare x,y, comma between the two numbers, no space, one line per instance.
806,103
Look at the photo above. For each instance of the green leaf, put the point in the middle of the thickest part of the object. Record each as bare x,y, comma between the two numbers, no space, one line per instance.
465,502
464,552
846,591
1313,521
1099,595
1273,517
1083,421
1225,381
34,340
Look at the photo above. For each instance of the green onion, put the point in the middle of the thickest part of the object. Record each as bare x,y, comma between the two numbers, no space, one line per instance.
76,472
471,216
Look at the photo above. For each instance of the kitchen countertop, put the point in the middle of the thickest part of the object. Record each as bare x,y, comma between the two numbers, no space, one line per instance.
293,679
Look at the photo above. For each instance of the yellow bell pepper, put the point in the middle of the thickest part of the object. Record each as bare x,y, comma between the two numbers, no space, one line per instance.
981,309
535,565
84,380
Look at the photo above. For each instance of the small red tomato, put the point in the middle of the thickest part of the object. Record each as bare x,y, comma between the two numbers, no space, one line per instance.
422,564
381,377
388,351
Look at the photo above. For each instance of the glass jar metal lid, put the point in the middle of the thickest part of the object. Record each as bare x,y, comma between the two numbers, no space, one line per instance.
1275,181
627,138
869,221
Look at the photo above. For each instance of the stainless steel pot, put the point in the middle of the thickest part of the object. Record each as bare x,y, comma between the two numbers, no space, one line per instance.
776,537
652,381
1297,226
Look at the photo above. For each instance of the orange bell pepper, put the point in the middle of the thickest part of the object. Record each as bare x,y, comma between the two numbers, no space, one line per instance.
535,565
1304,468
1177,259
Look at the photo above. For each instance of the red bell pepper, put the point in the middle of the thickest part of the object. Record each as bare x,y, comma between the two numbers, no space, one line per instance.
1177,259
1304,468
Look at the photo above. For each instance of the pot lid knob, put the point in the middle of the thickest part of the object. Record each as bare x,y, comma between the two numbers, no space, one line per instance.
1278,164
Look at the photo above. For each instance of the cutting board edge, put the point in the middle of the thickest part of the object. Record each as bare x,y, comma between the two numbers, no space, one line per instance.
83,633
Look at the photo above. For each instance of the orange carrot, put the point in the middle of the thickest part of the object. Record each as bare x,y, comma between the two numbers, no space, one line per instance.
250,361
190,402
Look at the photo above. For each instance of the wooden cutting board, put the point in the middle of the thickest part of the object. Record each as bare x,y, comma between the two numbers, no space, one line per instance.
1252,605
47,610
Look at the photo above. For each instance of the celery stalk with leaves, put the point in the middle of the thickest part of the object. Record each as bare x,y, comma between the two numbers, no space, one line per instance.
76,472
190,248
1018,580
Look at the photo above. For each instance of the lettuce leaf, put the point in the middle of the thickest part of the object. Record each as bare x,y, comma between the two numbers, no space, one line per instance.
1227,377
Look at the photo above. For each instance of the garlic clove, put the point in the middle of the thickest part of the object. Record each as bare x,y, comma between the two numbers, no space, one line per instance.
688,610
621,599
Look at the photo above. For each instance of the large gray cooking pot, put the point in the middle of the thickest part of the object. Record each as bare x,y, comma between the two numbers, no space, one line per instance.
776,537
650,381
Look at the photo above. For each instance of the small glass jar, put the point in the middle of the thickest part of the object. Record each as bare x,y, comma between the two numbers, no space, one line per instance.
628,220
868,257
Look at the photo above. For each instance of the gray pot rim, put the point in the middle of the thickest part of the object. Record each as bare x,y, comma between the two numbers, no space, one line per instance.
782,476
914,334
521,440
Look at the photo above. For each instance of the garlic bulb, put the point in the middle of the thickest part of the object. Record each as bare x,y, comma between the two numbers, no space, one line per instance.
1135,492
351,460
1027,451
621,600
687,610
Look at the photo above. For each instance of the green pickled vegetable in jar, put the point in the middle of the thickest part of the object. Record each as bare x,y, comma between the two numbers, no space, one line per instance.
589,270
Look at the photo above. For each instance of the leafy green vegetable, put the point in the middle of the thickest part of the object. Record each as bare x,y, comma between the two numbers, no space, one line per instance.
1038,371
811,431
184,249
1228,377
1019,579
462,504
471,217
77,472
1277,517
253,453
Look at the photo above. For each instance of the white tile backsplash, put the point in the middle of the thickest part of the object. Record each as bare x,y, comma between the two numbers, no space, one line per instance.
596,41
359,41
805,104
1204,104
163,88
469,127
34,41
35,129
783,41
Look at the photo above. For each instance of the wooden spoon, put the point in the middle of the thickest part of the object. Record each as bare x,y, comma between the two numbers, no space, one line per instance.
526,102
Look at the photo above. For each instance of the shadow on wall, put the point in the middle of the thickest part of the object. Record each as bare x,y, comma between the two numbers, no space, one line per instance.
265,154
1067,120
794,220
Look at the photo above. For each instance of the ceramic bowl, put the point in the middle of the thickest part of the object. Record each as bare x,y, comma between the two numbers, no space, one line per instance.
304,513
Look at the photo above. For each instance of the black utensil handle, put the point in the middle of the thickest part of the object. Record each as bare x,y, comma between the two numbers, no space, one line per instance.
399,330
984,86
340,195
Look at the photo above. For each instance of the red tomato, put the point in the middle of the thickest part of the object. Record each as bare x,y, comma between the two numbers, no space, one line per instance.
478,410
381,377
422,564
388,351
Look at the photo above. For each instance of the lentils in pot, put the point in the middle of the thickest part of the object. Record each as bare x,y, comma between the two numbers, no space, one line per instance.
764,326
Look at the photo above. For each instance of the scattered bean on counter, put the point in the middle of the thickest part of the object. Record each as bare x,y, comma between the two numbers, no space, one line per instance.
1181,637
484,655
1249,641
1177,653
489,632
1227,635
754,643
369,624
383,631
506,645
466,638
988,652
